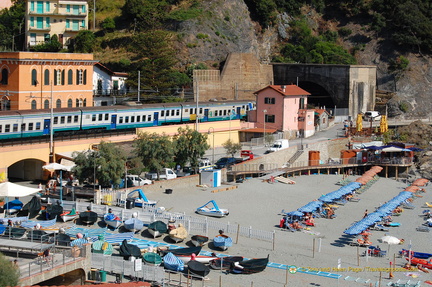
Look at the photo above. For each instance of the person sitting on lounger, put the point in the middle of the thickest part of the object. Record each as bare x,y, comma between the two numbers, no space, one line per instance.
296,225
310,222
79,241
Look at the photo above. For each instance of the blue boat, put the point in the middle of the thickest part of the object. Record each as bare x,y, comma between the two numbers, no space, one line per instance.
420,255
212,209
171,262
133,224
222,241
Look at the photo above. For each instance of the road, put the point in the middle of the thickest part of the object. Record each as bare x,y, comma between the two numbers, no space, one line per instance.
332,132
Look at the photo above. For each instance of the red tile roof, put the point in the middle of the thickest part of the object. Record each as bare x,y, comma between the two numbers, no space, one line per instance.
287,90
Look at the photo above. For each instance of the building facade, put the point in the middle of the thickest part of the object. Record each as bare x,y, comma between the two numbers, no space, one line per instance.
107,83
64,18
31,80
284,108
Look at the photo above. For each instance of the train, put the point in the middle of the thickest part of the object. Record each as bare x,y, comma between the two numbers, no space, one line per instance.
37,123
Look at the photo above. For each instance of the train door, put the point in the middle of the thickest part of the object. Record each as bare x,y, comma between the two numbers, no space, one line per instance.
113,122
206,115
155,119
47,127
238,115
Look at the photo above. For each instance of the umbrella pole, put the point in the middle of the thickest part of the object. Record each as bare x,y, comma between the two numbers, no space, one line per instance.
61,187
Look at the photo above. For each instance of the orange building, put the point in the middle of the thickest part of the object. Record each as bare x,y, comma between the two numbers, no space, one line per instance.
31,80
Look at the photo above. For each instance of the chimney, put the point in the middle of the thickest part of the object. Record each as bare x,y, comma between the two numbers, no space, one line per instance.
283,88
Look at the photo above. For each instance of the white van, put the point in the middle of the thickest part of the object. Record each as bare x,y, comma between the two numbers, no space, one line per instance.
372,116
279,144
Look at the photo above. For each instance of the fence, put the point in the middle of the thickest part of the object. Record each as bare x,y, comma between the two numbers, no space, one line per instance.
200,225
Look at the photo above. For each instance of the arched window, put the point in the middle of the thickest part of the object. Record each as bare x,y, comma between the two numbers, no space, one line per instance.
85,103
33,105
63,77
69,103
70,77
4,79
77,103
85,77
46,104
58,104
34,80
46,77
79,77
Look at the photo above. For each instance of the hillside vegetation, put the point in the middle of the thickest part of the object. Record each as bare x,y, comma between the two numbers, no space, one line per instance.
167,39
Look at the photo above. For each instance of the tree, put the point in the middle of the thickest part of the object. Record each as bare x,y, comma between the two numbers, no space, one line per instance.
149,14
106,164
108,25
157,58
12,25
53,45
156,151
231,147
83,42
9,274
190,145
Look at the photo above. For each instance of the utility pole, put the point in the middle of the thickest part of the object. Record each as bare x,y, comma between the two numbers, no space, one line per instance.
139,84
94,15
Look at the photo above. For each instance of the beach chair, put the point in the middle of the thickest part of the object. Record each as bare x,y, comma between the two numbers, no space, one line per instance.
427,204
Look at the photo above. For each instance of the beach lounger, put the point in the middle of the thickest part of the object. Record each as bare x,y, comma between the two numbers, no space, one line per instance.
427,205
43,224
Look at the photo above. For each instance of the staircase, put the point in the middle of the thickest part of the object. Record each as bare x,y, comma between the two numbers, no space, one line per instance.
295,157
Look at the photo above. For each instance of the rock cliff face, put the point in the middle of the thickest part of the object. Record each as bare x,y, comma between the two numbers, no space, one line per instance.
224,27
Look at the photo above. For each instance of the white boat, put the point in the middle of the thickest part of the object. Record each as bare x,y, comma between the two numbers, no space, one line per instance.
133,224
200,258
212,209
140,199
69,215
112,220
157,228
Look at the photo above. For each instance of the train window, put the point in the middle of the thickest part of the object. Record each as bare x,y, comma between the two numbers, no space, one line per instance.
93,118
7,128
126,119
172,112
162,113
186,110
30,127
100,117
106,117
1,128
132,119
38,126
15,127
177,112
120,120
23,127
55,120
225,112
62,120
69,119
139,118
200,111
149,118
216,113
75,119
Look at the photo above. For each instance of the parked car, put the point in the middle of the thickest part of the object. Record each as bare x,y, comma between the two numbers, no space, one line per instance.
226,162
372,116
165,173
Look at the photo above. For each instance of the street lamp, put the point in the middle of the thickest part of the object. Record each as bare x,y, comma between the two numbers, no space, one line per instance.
4,101
208,132
264,133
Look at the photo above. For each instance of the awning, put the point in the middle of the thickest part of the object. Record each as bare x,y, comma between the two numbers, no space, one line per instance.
259,130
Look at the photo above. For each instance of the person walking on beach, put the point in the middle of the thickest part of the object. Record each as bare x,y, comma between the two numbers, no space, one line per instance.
365,213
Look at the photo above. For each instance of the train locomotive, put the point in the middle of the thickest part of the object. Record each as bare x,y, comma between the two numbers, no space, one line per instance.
36,123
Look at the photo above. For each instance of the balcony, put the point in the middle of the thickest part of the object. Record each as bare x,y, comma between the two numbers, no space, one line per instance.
36,29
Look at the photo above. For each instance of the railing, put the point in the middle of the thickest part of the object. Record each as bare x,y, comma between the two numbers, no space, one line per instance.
58,256
109,92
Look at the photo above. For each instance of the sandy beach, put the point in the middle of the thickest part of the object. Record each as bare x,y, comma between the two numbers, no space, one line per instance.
258,204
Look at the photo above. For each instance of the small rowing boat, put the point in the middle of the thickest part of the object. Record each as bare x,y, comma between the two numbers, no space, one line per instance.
199,240
157,228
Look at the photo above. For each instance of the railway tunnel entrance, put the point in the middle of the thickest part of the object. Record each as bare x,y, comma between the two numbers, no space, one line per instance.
319,97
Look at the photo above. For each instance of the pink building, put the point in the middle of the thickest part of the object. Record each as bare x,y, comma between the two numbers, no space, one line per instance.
284,108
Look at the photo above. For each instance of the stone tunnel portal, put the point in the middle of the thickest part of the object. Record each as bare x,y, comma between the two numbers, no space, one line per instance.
319,97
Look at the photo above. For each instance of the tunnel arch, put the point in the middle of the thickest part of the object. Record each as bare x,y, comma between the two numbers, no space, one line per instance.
26,169
319,97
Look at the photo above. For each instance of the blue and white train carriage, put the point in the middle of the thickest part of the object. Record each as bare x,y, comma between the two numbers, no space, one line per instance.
34,123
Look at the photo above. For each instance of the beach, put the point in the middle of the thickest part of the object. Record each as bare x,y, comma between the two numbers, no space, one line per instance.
259,204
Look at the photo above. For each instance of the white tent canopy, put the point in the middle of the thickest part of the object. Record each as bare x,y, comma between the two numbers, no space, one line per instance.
56,166
9,189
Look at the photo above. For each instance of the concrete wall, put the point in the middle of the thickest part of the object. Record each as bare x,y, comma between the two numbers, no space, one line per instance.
242,75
